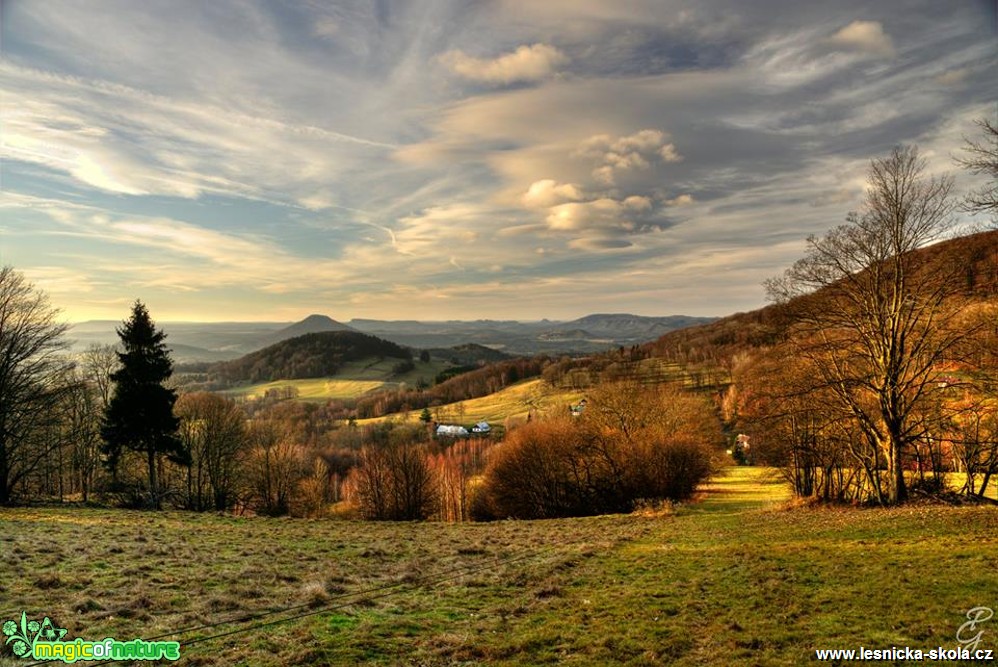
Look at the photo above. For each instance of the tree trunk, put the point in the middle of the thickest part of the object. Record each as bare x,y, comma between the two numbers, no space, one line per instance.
153,491
898,492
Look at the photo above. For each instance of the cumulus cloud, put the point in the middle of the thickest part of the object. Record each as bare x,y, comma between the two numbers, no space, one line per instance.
627,153
526,64
681,200
865,37
548,192
600,214
637,203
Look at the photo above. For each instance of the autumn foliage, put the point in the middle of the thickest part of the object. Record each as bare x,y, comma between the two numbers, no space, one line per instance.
632,444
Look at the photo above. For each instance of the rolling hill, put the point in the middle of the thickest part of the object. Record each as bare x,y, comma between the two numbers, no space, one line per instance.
312,355
976,257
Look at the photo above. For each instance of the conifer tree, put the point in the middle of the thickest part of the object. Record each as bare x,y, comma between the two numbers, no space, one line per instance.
140,415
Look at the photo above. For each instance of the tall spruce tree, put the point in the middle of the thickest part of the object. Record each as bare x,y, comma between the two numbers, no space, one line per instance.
140,415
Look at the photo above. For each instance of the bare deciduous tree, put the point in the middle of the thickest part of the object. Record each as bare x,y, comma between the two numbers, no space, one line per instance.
30,367
277,464
982,158
396,483
872,317
98,363
213,431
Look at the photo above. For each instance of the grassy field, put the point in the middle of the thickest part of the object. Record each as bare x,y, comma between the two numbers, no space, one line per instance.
312,389
354,379
513,402
736,578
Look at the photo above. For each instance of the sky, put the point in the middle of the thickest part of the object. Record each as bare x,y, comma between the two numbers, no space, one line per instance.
260,161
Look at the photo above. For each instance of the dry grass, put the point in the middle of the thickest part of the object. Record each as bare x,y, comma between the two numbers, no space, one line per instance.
738,578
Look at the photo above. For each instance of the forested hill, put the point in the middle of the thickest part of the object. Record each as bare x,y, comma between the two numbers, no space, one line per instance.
973,258
309,356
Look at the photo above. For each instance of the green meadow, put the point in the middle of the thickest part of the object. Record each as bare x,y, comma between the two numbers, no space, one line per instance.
354,379
514,402
741,576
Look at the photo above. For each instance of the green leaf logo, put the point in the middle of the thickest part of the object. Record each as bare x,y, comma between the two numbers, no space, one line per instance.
21,637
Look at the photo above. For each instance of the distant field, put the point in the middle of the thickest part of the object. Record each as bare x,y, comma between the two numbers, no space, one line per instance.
734,579
312,389
956,480
513,402
355,379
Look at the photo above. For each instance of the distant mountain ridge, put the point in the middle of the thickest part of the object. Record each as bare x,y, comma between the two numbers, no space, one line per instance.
592,333
617,325
311,324
215,341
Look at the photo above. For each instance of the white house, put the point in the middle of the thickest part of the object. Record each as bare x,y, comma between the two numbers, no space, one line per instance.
451,431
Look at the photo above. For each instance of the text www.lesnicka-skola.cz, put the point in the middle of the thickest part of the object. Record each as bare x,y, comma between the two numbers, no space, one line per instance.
906,653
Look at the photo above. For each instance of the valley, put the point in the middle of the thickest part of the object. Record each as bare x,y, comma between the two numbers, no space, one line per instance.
446,334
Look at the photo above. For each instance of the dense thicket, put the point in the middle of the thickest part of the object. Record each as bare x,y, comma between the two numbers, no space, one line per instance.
468,354
309,356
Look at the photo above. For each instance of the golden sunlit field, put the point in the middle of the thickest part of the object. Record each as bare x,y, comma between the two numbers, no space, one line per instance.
738,577
312,389
354,379
514,402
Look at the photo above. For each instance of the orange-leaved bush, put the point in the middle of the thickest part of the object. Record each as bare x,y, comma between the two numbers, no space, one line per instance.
632,444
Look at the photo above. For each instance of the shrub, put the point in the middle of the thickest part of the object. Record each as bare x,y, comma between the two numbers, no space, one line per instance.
395,483
608,463
663,469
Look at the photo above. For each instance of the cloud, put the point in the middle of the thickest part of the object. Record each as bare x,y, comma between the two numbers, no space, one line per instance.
525,64
605,214
637,203
318,201
865,37
596,244
681,200
548,192
953,77
385,170
627,153
126,141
